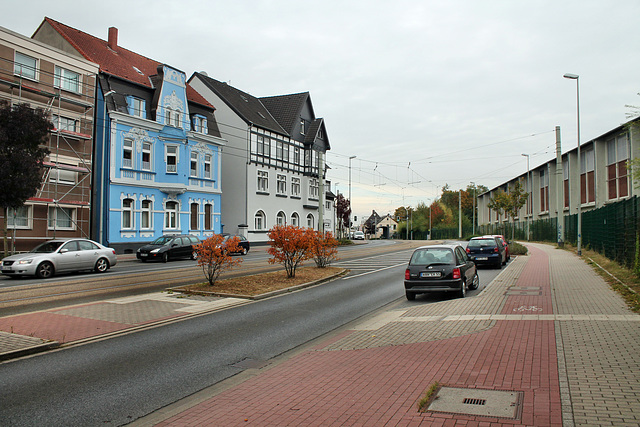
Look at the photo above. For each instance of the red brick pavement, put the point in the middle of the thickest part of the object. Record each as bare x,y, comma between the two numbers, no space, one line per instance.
58,327
381,386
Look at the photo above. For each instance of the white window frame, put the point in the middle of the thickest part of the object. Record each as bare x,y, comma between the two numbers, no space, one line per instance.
54,220
67,80
295,186
313,188
23,217
311,221
296,156
260,221
64,123
172,216
281,218
20,66
146,214
127,222
147,149
138,107
127,147
63,176
263,181
168,116
207,166
168,154
193,165
295,219
281,184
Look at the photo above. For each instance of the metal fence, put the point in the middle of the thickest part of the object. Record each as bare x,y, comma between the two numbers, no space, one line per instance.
612,230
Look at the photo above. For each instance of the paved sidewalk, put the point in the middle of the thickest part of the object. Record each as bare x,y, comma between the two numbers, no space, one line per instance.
42,330
547,344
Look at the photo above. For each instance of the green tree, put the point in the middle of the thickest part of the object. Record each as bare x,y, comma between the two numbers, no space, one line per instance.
23,133
517,198
499,203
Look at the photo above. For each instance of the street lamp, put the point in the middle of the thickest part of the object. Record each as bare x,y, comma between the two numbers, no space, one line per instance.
529,195
350,158
577,79
473,213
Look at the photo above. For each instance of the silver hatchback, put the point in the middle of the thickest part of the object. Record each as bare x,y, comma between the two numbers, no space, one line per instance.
60,255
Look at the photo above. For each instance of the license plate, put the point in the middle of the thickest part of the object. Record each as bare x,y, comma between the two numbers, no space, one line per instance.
430,274
482,258
144,254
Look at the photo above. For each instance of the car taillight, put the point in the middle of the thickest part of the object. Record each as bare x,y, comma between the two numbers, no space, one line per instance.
496,250
456,273
407,275
468,251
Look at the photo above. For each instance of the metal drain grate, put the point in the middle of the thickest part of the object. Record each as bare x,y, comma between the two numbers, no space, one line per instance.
471,401
479,402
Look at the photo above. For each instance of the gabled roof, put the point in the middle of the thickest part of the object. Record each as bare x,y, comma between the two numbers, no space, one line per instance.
312,133
115,60
248,107
286,108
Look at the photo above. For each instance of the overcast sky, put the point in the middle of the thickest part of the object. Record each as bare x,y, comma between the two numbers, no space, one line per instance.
424,93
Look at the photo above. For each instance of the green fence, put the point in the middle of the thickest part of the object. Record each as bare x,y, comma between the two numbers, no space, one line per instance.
612,230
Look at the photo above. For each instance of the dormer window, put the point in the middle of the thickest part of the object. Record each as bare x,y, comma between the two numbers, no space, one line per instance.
200,124
302,126
136,107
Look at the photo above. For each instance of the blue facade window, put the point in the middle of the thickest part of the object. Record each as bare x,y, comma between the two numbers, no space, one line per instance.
137,107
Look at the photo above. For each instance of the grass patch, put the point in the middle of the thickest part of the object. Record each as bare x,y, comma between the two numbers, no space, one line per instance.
621,279
429,396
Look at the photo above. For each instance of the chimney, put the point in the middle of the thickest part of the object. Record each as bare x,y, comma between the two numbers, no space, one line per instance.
113,38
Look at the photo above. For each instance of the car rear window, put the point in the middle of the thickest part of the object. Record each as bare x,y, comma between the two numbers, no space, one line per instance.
432,256
482,243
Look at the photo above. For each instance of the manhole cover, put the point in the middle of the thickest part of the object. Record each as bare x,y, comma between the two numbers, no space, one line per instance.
523,293
487,403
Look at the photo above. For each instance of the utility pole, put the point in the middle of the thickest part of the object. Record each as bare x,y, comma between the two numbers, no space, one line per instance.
559,189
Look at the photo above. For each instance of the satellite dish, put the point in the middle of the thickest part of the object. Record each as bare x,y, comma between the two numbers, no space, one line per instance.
204,73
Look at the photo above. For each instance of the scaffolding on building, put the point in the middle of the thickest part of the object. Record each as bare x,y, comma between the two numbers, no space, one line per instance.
65,189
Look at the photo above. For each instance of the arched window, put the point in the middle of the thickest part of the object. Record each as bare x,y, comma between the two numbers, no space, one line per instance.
171,215
145,215
281,218
208,210
295,219
127,213
310,221
194,216
260,221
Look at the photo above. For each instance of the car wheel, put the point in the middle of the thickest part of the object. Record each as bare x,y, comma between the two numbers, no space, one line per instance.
194,254
475,283
244,251
410,296
102,265
44,270
165,257
462,292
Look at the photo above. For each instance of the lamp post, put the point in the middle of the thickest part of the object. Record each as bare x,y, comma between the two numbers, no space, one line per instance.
350,158
577,79
473,213
529,198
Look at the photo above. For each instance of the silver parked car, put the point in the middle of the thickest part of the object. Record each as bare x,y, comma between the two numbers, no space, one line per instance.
60,255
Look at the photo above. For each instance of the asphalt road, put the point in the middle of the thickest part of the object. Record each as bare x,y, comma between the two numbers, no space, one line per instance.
117,380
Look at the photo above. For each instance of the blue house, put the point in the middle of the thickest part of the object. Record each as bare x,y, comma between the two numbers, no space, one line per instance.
157,145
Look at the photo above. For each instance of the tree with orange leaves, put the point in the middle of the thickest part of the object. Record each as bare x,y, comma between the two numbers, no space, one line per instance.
214,256
324,249
290,246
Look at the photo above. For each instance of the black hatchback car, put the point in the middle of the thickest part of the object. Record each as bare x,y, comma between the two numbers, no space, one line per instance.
243,243
487,250
169,247
440,268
